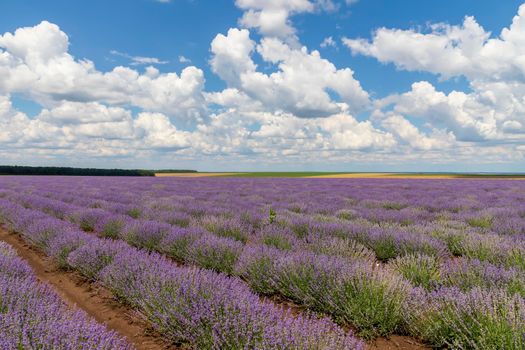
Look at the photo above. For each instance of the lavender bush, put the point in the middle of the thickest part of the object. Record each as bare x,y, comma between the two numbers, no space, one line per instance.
477,319
421,270
215,253
201,308
32,315
356,293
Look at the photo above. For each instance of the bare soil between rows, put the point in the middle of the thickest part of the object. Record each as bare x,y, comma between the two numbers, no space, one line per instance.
95,301
98,303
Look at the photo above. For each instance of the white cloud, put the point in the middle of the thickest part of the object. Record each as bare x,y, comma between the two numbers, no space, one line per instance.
81,113
231,55
272,17
301,85
450,51
183,59
296,106
328,42
158,132
35,61
488,113
12,122
138,60
85,126
409,134
233,98
494,109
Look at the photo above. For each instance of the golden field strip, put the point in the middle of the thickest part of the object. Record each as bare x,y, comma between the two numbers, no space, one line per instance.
345,175
412,176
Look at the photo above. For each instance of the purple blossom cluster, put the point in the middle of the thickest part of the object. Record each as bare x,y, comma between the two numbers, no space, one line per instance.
356,293
198,307
366,253
32,315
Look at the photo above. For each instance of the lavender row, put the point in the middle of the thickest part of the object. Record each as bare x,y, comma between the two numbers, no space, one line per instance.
187,305
387,241
32,315
366,297
477,319
200,248
295,232
379,301
299,233
462,273
332,293
330,275
306,234
481,205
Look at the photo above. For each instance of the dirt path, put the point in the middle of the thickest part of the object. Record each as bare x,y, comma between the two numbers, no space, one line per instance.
396,342
97,302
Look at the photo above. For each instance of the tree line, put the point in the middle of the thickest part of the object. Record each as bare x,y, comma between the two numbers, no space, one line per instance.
69,171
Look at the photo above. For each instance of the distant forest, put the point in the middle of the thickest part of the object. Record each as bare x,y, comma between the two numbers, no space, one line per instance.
29,170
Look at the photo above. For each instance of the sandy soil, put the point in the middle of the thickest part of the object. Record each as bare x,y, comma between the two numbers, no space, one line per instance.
396,342
96,301
192,174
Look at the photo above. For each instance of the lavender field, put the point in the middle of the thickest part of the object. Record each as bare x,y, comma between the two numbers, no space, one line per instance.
240,263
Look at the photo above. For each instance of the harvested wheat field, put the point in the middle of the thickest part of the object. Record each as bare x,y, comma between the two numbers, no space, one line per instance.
414,176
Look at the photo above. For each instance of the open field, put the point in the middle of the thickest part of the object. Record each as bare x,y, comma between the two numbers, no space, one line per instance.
251,174
266,263
343,175
283,174
418,176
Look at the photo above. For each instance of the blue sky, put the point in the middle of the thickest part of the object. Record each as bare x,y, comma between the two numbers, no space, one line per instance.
187,27
265,130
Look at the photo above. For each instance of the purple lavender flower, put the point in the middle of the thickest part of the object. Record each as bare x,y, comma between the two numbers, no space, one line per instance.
145,233
32,315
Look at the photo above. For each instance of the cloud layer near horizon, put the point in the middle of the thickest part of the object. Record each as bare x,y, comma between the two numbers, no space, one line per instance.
304,109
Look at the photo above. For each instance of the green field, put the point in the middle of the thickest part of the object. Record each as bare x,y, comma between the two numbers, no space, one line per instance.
282,174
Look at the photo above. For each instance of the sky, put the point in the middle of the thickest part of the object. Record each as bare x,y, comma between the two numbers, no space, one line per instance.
258,85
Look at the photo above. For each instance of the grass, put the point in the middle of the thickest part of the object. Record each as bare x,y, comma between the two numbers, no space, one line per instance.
282,174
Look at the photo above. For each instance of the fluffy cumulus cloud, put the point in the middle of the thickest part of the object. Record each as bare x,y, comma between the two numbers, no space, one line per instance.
88,127
35,61
302,84
12,122
282,101
462,50
492,112
272,17
88,111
